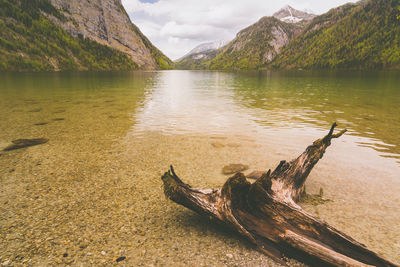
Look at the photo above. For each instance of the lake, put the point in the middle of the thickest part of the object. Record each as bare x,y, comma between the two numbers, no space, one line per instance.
93,193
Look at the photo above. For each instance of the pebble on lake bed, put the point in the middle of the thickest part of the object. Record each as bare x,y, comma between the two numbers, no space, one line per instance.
120,258
41,123
234,168
217,145
35,110
233,144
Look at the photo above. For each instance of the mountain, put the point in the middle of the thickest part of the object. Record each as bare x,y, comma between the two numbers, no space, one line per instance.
255,45
205,47
106,22
195,58
291,15
359,36
44,35
196,61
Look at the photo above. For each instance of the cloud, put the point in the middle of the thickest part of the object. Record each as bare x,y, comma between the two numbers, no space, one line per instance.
189,31
177,26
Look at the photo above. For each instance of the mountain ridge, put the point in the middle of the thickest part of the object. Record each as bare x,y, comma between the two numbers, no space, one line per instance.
99,35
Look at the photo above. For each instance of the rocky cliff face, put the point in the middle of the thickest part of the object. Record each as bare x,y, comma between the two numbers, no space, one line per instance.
106,22
29,41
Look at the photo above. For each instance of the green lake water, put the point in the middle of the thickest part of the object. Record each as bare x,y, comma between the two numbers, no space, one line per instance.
94,192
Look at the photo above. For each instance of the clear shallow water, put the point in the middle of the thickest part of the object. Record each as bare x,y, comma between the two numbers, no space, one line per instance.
113,134
367,104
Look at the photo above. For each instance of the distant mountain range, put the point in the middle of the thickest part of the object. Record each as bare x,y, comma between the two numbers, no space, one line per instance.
73,35
253,46
51,35
198,51
358,36
200,54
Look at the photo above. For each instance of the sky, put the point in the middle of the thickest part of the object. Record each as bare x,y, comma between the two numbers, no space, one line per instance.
177,26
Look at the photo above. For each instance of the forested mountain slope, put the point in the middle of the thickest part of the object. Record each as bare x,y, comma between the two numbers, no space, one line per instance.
256,45
361,36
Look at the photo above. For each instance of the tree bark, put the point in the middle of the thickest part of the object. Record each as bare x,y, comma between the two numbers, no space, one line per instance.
266,213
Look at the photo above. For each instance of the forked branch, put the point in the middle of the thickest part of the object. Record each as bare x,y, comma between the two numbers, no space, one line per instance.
266,213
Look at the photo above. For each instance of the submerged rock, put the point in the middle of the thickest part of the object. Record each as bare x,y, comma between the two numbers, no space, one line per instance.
234,145
35,110
314,199
21,143
217,145
234,168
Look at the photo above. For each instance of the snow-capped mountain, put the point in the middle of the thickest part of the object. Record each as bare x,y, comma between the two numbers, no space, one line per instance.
204,47
290,15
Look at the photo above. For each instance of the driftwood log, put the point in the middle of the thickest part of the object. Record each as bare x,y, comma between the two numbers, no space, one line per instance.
266,213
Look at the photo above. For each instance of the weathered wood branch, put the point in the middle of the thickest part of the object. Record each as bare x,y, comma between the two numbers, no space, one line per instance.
267,214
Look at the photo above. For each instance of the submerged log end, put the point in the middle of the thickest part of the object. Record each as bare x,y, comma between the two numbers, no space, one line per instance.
172,184
200,201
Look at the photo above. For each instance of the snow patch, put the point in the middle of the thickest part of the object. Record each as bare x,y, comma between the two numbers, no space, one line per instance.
291,19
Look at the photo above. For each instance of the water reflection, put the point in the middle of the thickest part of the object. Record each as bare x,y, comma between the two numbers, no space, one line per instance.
77,107
256,103
190,102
